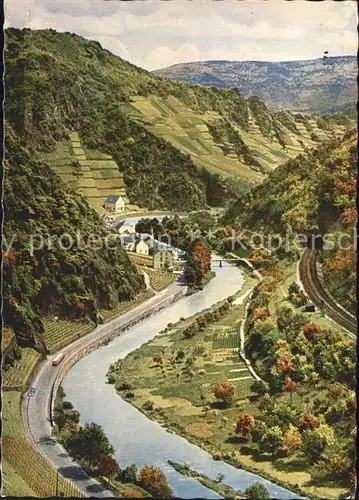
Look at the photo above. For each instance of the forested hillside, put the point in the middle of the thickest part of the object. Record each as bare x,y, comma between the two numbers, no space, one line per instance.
54,277
174,143
311,193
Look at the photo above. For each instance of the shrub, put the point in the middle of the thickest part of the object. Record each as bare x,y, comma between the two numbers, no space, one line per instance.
148,405
257,491
123,386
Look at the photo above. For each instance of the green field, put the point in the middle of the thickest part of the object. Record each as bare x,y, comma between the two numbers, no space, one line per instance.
95,177
179,393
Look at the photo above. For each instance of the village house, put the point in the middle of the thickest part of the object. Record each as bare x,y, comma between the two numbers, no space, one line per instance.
142,248
163,259
125,227
128,241
114,204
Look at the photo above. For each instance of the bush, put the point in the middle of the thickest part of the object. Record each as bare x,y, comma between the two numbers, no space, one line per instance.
67,405
260,387
128,475
148,405
123,386
257,492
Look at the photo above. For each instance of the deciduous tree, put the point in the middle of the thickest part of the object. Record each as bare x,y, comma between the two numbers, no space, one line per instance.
155,482
245,424
224,391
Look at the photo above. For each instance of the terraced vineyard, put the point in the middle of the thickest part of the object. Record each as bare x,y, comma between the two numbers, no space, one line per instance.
109,314
60,333
189,132
160,279
91,173
25,471
16,376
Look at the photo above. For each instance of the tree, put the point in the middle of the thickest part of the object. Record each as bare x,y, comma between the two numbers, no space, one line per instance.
271,441
313,446
309,422
292,438
257,491
245,424
155,482
224,391
284,357
310,330
129,474
108,466
260,387
291,386
90,443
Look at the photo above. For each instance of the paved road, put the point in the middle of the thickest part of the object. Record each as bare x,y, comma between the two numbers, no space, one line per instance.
316,291
36,410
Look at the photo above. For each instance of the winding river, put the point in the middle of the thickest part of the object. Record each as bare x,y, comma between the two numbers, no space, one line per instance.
137,439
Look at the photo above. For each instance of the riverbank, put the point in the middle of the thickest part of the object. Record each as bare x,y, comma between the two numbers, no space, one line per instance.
176,393
218,486
157,380
35,411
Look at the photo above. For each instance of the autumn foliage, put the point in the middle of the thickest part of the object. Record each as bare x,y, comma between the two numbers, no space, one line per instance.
292,438
245,424
290,385
260,313
108,466
310,330
309,422
154,481
224,391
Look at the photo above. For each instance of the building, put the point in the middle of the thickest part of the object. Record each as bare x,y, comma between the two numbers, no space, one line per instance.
142,248
128,241
163,259
125,227
114,204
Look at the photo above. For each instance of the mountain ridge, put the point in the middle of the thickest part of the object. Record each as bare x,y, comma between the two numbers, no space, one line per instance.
175,144
330,79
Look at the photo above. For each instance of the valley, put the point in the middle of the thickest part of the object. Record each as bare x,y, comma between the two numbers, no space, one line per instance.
208,366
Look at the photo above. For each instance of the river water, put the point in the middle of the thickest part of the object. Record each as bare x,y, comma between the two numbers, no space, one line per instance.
137,439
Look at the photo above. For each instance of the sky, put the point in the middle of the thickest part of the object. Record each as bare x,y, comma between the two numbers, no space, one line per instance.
156,34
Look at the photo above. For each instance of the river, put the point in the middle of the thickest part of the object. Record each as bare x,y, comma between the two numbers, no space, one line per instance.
136,438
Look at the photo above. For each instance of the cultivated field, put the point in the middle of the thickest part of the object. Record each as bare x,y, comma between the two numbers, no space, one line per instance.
189,132
160,279
17,376
26,473
91,173
60,333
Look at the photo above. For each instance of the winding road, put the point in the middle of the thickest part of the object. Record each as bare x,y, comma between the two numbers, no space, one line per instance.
313,284
36,410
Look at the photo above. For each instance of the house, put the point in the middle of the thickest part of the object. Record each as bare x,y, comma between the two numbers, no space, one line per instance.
125,227
114,204
128,241
142,248
163,259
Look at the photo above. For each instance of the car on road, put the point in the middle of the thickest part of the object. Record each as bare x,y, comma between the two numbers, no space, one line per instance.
57,359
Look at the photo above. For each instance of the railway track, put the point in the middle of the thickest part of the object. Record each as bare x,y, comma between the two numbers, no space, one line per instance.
318,295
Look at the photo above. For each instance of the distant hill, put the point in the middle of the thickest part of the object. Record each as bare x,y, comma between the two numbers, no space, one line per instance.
317,86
